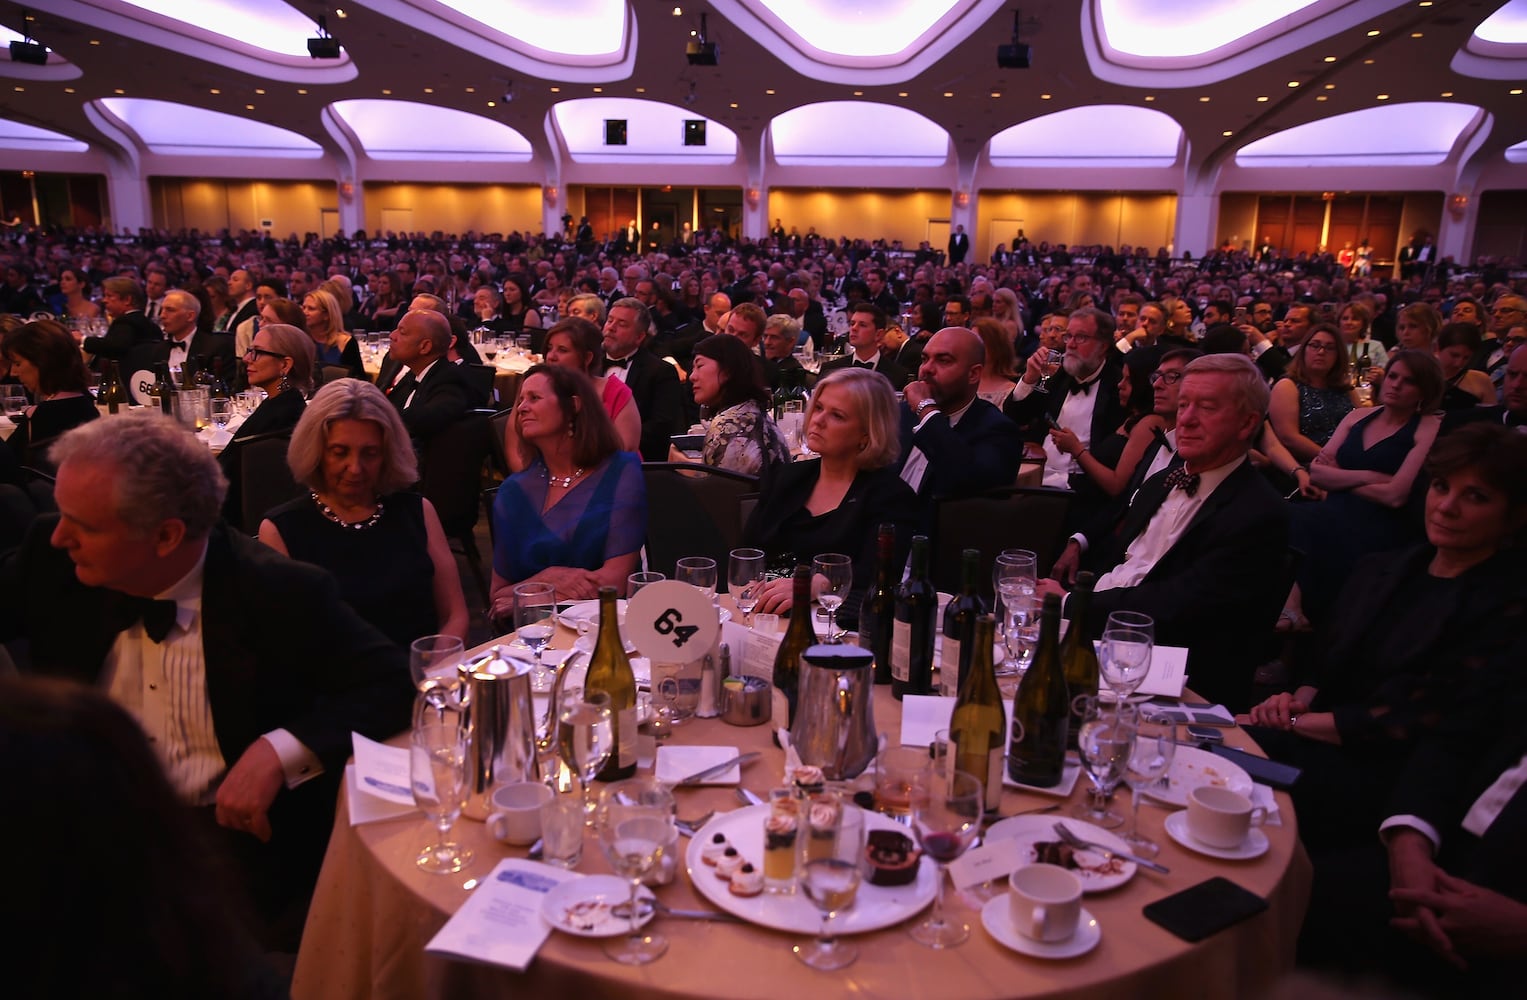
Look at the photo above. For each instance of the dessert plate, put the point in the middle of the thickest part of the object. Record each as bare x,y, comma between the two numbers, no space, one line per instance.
1097,873
582,906
997,918
1192,767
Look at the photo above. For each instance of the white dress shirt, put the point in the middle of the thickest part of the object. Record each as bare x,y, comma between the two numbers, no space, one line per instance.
1076,417
1165,528
917,463
1485,811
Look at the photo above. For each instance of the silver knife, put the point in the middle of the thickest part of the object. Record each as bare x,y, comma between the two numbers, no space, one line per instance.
715,769
1075,841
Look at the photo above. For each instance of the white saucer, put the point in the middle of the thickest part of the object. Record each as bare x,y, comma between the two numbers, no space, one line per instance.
997,918
1255,846
582,906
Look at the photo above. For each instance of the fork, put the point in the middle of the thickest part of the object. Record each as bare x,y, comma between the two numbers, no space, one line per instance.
1077,842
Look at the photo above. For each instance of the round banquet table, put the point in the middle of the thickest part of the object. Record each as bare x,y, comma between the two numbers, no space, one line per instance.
374,911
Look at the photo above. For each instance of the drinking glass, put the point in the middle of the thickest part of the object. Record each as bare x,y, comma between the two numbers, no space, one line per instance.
1020,627
585,740
434,664
437,771
744,578
698,571
831,881
837,573
222,411
1049,367
490,349
1139,621
1149,762
535,621
1124,659
13,399
946,815
635,826
901,774
1105,741
636,581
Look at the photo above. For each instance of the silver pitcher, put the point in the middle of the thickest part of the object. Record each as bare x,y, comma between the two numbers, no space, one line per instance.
501,725
835,710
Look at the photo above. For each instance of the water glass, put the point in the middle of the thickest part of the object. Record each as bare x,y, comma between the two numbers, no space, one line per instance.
830,879
1149,763
535,622
222,412
434,664
836,574
636,581
699,572
635,828
1105,742
1020,627
1124,659
437,773
13,399
744,579
562,821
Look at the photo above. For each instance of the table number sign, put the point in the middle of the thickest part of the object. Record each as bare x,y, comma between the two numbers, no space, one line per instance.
672,622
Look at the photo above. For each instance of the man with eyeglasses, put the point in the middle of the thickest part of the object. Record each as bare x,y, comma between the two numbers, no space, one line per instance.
1508,311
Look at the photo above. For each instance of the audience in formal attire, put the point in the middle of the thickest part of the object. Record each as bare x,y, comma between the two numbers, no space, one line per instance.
1310,403
577,343
739,434
866,339
428,391
280,363
653,382
123,300
326,325
43,357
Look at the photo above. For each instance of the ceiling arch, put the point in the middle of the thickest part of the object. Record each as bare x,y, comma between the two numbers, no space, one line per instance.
654,132
171,129
408,130
850,133
1070,139
1420,133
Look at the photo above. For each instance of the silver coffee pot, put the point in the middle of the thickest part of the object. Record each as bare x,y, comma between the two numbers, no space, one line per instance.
835,712
500,717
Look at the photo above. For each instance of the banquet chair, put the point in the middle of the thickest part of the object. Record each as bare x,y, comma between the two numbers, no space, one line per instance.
693,510
497,456
451,471
265,480
332,373
1013,517
480,378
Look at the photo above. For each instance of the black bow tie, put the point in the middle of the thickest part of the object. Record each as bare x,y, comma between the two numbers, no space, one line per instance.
1085,388
863,364
158,617
624,362
178,345
1181,479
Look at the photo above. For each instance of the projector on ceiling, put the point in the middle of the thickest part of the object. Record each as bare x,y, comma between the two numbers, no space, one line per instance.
323,47
29,52
1013,56
702,53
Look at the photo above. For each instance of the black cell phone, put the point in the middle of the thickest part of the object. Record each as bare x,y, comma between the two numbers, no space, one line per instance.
688,442
1268,772
1049,419
1205,909
1206,734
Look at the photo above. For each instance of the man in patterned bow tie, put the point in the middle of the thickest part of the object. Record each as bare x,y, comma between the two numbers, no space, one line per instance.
1202,546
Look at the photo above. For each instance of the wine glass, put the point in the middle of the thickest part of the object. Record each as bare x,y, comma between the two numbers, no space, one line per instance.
437,771
585,740
222,411
1149,762
1124,660
946,815
698,571
434,664
1020,627
1139,621
831,881
636,581
1105,742
635,827
535,621
744,578
837,573
1048,367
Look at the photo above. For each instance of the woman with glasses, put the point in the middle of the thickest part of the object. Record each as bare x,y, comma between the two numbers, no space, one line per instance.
1311,401
279,361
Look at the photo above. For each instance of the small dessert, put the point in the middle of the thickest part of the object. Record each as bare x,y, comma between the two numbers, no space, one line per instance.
747,881
892,857
779,847
1054,852
711,852
808,778
821,829
729,863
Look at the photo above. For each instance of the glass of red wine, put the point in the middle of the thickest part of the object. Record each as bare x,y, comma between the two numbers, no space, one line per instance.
946,815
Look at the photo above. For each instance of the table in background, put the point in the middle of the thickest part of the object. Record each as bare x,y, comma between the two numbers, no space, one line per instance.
374,911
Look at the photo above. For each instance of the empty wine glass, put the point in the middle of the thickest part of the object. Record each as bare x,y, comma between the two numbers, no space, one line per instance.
1149,763
585,740
535,621
830,879
635,828
437,772
434,664
636,581
1124,658
837,575
744,579
698,571
946,815
1049,365
1105,741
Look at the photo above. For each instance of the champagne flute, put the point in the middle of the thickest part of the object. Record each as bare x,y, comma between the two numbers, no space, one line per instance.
698,571
585,740
837,573
1106,739
1048,367
946,816
635,828
434,664
437,772
535,621
831,881
1149,762
1125,660
744,578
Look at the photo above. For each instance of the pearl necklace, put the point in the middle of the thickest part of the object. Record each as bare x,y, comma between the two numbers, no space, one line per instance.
564,481
329,514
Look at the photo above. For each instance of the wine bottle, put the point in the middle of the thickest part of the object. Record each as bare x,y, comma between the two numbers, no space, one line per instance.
959,621
1041,710
912,637
610,672
978,724
877,616
219,383
787,659
1080,657
113,393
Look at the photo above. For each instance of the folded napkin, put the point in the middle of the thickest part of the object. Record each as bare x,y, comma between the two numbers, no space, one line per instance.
1262,795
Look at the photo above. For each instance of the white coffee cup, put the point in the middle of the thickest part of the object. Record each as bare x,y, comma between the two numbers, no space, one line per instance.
1219,817
516,815
1045,902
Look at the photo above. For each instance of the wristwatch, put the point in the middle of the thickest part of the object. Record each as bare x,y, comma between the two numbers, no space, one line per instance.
924,405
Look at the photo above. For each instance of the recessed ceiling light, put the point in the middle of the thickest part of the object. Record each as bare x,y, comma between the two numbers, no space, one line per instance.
1045,97
1293,83
470,90
1203,100
119,90
1227,133
1383,97
1374,33
1150,97
1447,93
429,90
249,107
734,104
556,90
996,93
1322,97
214,90
1330,86
1416,34
950,93
598,90
860,93
386,93
95,41
770,92
259,90
678,12
1516,92
302,90
21,90
1367,62
1330,59
641,90
1425,3
1262,100
339,12
68,90
492,104
901,93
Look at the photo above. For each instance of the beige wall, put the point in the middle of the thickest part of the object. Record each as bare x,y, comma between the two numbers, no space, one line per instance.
455,208
1238,219
887,214
210,205
1073,218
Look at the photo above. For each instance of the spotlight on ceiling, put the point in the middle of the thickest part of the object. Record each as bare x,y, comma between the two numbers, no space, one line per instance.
1014,55
702,51
323,45
26,50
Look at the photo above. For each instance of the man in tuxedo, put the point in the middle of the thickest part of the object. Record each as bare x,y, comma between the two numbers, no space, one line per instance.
241,293
880,293
654,384
1202,545
246,669
155,283
959,246
953,442
430,393
123,299
177,317
866,335
746,322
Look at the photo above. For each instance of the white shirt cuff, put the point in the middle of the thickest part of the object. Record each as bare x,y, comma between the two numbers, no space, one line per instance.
1022,389
1122,345
1258,350
1415,823
1081,541
298,763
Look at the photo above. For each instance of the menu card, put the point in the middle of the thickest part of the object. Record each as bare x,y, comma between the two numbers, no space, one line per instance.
377,783
500,923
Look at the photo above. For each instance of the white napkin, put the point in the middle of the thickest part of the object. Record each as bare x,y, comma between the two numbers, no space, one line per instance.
1262,795
675,763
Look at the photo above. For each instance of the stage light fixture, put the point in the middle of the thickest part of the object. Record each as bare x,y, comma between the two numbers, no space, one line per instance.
1014,55
26,50
702,51
323,45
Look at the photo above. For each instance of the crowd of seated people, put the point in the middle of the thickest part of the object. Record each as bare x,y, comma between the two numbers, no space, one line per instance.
1206,415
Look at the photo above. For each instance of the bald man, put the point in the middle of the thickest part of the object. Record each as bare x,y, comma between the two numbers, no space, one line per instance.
953,442
432,394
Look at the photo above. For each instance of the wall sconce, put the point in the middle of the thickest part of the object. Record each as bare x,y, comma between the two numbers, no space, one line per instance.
346,190
753,196
551,195
1458,204
962,199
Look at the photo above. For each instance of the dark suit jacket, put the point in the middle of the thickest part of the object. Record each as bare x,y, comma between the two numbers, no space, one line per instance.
959,246
124,333
278,413
981,452
208,347
244,312
442,398
1216,590
659,397
885,365
1107,416
1454,419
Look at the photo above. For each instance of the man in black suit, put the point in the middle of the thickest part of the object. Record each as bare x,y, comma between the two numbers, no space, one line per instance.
1512,411
866,335
880,293
177,317
241,292
123,299
746,323
1202,545
653,382
432,394
959,246
953,442
246,669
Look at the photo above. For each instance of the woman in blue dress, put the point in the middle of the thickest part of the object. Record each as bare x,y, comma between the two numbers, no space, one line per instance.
576,517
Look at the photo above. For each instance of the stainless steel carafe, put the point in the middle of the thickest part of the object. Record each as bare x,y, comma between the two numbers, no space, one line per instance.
835,712
501,743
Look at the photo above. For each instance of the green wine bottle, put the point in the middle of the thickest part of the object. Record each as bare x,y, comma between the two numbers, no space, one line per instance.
1080,657
877,616
1041,709
916,619
978,724
787,659
959,622
610,672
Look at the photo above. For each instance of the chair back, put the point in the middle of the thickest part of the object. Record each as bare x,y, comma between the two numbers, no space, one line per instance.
453,472
693,510
1007,518
332,373
265,480
498,456
480,378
